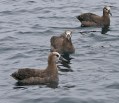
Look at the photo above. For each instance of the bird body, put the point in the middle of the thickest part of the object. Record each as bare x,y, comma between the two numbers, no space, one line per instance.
62,44
90,19
36,76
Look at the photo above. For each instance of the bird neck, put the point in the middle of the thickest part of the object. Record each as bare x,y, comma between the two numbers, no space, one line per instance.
106,14
51,64
67,44
52,69
67,41
106,19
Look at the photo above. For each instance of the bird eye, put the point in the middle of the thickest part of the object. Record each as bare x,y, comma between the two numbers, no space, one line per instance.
57,55
106,9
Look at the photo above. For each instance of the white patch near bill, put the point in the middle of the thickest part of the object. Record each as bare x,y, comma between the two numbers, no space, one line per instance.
68,33
56,53
108,8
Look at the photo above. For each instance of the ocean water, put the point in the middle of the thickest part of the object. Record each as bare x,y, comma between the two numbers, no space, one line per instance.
26,26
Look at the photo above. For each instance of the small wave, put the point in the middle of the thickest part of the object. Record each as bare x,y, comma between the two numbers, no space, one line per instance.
18,55
8,38
113,86
7,12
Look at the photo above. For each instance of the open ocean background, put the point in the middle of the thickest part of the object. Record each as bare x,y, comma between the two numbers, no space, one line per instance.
26,26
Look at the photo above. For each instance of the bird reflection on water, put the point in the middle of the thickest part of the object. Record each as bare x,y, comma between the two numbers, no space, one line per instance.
52,85
65,63
105,29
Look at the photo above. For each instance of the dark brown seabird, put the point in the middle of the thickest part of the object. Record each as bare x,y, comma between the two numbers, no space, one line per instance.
63,43
90,19
30,76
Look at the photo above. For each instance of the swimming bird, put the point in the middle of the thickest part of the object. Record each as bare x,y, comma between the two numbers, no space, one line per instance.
63,43
30,76
90,19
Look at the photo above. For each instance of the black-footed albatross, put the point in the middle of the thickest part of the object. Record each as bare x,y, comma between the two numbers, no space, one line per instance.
63,43
90,19
29,76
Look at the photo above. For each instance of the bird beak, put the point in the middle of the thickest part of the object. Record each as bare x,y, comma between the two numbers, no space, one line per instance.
63,59
110,13
68,37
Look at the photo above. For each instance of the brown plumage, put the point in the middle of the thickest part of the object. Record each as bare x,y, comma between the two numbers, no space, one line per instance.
90,19
36,76
62,43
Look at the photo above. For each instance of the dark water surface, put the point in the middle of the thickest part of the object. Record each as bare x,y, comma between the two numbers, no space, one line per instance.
26,26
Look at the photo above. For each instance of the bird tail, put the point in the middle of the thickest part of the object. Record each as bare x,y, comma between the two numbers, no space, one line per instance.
79,18
14,75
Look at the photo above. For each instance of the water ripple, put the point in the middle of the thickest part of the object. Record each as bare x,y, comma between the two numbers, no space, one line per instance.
90,75
113,86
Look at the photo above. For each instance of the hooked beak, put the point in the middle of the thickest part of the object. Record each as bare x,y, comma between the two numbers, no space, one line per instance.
63,59
68,38
110,13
